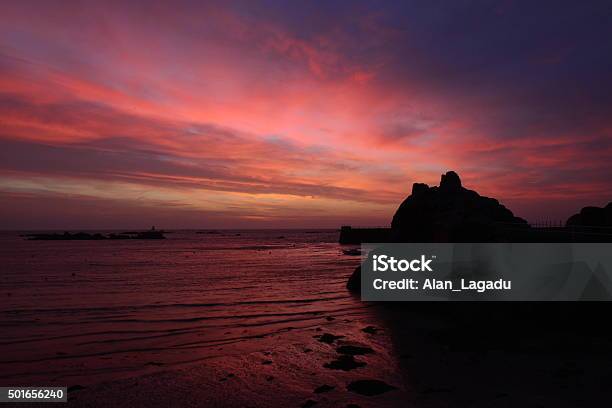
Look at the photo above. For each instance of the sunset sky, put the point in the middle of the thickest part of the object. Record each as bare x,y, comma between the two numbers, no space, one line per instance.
237,114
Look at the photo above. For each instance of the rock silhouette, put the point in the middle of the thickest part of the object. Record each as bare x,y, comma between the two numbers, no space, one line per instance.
354,350
323,388
85,236
370,387
451,213
592,217
344,362
328,338
354,281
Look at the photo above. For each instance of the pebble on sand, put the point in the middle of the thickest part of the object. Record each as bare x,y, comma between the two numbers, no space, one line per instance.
370,387
344,363
370,330
323,388
327,338
354,350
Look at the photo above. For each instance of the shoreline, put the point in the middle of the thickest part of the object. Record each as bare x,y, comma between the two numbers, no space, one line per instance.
292,369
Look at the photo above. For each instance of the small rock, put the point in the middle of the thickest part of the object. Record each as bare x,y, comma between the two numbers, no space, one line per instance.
323,388
354,350
344,363
309,403
370,330
328,338
370,387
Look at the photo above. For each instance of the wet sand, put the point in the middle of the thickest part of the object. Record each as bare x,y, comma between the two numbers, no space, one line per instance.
420,355
288,370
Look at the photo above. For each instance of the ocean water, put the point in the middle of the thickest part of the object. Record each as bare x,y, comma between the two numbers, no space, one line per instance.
87,311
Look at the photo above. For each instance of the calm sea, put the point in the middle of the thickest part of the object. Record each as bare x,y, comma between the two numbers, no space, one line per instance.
82,311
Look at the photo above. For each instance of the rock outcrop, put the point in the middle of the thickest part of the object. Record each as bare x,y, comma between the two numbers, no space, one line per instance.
85,236
592,217
451,213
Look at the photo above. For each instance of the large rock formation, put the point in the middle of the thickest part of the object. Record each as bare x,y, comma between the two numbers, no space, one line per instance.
452,213
592,217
